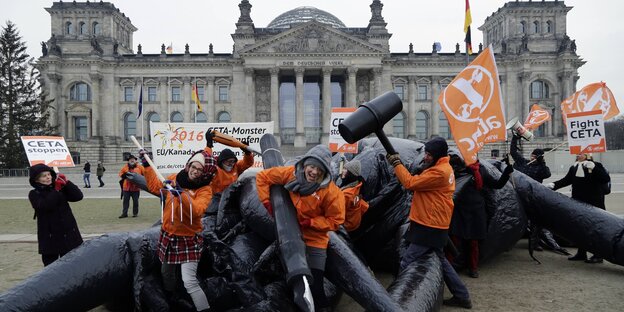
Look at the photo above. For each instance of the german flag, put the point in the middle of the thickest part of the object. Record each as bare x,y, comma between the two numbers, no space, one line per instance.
467,22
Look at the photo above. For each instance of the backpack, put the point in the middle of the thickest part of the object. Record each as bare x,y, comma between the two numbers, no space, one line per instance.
606,187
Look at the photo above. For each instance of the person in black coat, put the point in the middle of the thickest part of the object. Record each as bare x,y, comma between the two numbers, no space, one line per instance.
470,219
586,177
57,230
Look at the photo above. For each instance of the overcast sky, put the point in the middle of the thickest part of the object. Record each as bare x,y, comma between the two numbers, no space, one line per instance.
596,26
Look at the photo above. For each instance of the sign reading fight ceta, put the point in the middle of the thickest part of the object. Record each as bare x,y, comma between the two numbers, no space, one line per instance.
586,132
336,143
48,150
174,143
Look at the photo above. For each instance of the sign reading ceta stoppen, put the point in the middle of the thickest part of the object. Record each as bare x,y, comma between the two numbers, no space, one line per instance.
49,150
336,143
586,132
174,143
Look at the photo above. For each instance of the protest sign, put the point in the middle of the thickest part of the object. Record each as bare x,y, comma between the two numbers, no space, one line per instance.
49,150
586,132
336,143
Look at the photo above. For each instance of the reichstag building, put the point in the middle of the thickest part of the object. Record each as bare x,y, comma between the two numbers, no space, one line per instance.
292,71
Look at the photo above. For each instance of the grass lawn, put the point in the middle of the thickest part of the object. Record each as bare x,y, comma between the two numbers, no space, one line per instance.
93,216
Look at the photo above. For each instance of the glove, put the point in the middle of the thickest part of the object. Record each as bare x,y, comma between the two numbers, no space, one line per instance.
246,151
550,185
60,182
394,159
143,160
506,160
305,223
268,206
209,136
508,170
590,165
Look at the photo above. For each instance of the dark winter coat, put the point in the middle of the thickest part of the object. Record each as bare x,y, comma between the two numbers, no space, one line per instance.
87,167
469,219
537,170
57,231
587,189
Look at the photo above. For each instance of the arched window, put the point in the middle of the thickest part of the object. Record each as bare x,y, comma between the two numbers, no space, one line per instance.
398,125
69,28
80,92
539,90
201,117
97,29
549,27
83,28
223,117
177,117
152,117
536,27
444,129
129,126
522,27
422,125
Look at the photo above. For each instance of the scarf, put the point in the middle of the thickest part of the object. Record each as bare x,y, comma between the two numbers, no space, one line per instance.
182,179
301,185
477,175
579,169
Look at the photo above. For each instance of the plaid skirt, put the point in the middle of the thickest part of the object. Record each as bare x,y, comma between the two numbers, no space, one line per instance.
174,249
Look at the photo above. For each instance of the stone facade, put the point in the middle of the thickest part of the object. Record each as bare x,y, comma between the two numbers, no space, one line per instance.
292,75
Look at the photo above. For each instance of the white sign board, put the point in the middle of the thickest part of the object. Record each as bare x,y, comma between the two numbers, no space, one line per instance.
174,143
586,133
336,143
49,150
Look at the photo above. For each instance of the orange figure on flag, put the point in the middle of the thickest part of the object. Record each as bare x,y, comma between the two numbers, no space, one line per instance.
594,96
467,22
536,117
195,97
473,106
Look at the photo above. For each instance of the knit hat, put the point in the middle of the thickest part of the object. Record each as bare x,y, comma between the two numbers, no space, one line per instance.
206,160
538,152
437,147
225,155
36,170
314,162
354,166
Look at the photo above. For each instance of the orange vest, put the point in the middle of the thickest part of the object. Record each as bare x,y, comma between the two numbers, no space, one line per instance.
223,179
325,208
127,185
189,222
432,202
355,207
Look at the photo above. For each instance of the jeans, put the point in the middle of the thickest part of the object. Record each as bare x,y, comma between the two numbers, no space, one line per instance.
85,178
451,279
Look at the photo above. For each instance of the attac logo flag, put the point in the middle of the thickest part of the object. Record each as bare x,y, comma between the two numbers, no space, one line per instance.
536,117
473,106
586,132
594,96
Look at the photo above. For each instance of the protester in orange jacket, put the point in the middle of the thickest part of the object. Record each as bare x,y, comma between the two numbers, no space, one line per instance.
319,204
430,213
229,168
180,244
351,184
129,190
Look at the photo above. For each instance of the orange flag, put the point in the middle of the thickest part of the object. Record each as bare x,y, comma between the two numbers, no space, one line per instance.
473,106
594,96
536,117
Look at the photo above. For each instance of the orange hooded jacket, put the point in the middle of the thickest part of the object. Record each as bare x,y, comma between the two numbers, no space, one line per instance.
324,208
223,179
355,207
432,202
178,218
127,185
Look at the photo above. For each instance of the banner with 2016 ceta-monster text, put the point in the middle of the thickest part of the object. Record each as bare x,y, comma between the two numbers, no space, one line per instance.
174,143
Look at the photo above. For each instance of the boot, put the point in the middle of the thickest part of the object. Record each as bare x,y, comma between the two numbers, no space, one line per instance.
458,302
578,257
594,259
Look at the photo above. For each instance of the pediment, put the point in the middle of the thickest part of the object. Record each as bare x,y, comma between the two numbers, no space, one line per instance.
312,37
78,108
150,82
175,81
127,82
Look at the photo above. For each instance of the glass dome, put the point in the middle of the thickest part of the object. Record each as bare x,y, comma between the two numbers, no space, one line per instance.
305,14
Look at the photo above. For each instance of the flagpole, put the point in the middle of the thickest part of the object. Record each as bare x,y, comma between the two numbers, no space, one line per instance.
168,100
194,103
142,118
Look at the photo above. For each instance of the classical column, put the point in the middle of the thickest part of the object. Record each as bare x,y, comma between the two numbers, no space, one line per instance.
210,96
275,115
95,104
188,108
300,140
57,115
352,86
435,106
107,106
163,85
411,107
378,73
327,105
250,91
525,96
